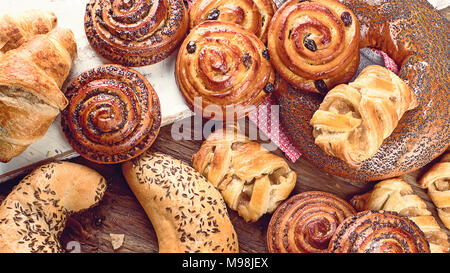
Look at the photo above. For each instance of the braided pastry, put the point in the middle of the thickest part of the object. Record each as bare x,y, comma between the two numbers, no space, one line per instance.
227,67
437,181
253,15
378,232
135,33
16,29
306,222
34,214
398,196
314,45
113,114
353,120
252,180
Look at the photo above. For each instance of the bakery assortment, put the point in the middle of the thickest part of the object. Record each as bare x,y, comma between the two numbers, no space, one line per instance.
186,211
306,222
31,77
231,57
314,45
113,114
437,182
404,31
398,196
225,66
34,214
353,119
253,15
135,33
378,232
252,180
16,29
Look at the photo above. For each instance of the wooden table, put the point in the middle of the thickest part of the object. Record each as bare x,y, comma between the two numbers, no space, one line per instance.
120,213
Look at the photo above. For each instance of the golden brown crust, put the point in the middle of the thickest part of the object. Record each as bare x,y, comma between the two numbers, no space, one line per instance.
398,196
253,15
16,29
225,66
113,115
252,180
353,120
187,213
34,214
314,45
135,33
306,222
437,182
31,78
378,232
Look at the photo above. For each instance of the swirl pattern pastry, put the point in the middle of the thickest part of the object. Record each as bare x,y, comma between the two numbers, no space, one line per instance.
135,32
353,120
378,232
314,45
306,222
113,114
227,67
253,15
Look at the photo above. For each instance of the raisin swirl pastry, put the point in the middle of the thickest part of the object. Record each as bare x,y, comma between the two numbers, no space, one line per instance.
135,32
253,15
222,69
113,114
378,232
314,45
306,222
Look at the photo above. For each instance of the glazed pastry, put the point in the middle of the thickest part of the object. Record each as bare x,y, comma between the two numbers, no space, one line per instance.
135,33
378,232
113,114
353,120
437,182
306,222
253,15
314,45
225,68
30,96
398,196
187,213
16,29
252,180
34,214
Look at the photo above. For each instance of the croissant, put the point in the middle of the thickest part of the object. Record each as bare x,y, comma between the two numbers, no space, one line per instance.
252,180
30,97
18,28
398,196
354,119
437,181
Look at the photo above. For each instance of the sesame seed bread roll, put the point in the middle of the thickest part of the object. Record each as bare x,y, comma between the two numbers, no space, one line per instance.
186,211
34,214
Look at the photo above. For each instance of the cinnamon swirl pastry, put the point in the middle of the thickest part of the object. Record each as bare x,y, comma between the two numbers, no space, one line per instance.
226,68
253,15
113,114
306,222
314,45
135,32
378,232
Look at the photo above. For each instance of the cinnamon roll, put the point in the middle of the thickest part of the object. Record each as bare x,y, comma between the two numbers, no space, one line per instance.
113,114
314,45
306,222
253,15
378,232
135,32
223,70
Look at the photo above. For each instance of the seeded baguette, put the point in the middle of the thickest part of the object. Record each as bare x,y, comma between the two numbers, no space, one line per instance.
34,214
186,211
